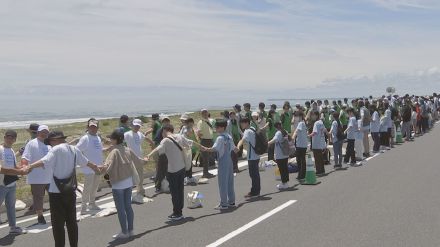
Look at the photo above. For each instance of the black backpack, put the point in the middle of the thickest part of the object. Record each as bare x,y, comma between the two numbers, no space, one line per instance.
340,133
260,142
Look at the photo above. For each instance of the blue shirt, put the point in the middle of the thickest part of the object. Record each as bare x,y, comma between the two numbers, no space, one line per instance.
222,144
302,140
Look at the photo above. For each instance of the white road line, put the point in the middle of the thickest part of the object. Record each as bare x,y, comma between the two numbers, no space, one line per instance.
240,164
251,224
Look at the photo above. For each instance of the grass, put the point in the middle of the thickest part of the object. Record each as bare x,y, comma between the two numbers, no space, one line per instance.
76,130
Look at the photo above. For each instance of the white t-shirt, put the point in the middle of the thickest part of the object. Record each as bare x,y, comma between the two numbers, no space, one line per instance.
249,137
134,141
352,129
375,123
173,153
60,161
7,156
123,184
278,139
318,139
35,150
91,147
302,140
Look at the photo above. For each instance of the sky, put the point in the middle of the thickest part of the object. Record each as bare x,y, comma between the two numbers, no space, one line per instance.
234,44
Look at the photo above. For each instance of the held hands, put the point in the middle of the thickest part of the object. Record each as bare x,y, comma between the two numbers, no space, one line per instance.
25,170
236,150
147,158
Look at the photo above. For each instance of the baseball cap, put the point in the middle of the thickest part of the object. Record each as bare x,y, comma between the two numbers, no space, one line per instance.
165,117
43,127
137,122
11,133
204,110
93,123
184,117
33,127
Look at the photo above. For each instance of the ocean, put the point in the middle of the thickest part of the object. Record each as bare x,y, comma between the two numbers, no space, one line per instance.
53,105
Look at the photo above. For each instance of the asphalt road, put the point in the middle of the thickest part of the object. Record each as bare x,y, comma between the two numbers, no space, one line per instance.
391,200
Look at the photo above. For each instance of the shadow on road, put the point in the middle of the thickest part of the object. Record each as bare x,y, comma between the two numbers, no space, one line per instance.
7,240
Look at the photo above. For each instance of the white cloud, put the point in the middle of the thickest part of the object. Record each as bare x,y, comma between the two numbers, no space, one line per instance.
192,42
399,4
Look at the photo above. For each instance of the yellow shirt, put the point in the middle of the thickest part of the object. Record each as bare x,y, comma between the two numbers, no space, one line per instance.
204,129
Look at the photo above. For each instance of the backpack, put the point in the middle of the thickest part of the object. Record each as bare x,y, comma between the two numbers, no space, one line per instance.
260,142
340,133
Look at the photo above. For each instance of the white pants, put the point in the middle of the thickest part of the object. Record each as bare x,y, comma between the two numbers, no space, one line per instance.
91,183
140,186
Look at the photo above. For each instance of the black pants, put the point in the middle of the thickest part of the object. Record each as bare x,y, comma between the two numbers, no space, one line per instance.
284,171
161,170
270,151
384,139
63,212
376,140
301,161
350,154
176,189
254,173
207,158
318,154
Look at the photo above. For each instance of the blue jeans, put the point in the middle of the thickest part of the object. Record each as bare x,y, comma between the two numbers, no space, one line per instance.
254,173
7,194
122,200
226,181
337,150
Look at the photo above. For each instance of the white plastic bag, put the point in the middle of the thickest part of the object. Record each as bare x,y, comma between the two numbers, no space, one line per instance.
194,199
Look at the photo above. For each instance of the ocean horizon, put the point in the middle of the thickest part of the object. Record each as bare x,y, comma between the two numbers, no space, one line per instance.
54,105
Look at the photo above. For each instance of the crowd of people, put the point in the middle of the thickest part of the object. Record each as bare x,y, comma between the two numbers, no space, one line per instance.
50,162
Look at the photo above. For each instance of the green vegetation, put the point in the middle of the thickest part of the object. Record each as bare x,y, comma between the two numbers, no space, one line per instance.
76,130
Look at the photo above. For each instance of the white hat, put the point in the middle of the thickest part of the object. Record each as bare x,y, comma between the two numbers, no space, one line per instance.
137,122
164,117
204,109
255,114
43,127
184,116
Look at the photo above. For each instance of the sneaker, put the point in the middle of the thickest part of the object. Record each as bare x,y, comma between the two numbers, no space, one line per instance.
175,217
209,175
192,181
83,209
221,207
94,207
41,220
120,235
232,205
131,233
17,230
235,174
283,186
